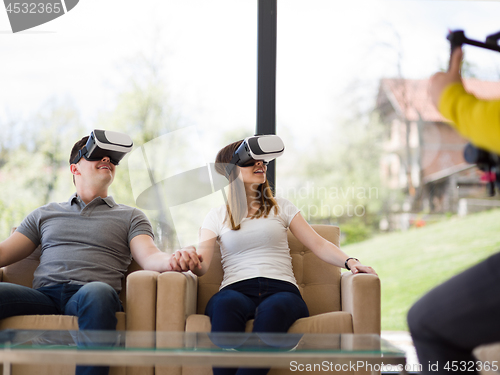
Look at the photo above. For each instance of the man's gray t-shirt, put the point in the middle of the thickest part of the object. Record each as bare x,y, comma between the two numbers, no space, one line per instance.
83,243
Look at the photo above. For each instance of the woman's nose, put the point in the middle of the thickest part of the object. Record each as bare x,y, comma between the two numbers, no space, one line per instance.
106,158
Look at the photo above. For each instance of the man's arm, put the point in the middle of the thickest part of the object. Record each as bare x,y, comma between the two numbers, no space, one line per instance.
477,120
149,257
15,248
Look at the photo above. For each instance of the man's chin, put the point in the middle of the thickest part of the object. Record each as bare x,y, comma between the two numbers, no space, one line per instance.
107,180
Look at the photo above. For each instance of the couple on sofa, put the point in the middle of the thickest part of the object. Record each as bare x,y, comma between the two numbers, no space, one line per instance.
87,244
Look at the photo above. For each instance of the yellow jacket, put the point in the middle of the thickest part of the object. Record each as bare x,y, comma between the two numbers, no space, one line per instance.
477,120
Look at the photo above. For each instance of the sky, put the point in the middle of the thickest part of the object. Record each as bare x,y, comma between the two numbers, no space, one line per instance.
330,54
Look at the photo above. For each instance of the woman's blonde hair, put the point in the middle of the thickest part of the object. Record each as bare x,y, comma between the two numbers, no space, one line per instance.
236,202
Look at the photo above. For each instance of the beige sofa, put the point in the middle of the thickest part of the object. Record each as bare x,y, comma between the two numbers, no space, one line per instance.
338,303
138,297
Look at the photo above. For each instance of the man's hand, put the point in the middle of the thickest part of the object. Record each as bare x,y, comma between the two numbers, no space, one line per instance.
439,81
185,259
149,257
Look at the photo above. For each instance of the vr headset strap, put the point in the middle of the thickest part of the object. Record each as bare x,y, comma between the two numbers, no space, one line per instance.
232,164
82,152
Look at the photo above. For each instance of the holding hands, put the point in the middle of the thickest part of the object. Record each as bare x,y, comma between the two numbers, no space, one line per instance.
185,259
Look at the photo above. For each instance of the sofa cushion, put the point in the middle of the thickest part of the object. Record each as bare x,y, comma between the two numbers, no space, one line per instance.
50,322
332,322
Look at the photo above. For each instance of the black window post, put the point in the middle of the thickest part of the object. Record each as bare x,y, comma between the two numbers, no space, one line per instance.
266,74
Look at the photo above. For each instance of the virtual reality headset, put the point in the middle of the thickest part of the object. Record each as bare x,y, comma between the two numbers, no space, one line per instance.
103,143
258,147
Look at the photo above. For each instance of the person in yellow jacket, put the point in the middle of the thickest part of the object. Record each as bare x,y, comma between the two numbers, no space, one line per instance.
477,120
451,320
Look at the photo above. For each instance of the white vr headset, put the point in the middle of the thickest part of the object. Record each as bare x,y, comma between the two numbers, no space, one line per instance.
103,143
258,147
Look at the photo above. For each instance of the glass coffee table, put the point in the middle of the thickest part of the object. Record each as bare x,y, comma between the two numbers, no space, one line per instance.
297,352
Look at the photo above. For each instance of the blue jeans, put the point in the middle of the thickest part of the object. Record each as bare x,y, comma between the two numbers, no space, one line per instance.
95,304
274,304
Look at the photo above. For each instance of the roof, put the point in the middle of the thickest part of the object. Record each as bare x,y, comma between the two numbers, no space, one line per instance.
409,97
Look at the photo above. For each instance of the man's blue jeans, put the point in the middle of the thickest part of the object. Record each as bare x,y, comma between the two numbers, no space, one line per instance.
95,304
274,304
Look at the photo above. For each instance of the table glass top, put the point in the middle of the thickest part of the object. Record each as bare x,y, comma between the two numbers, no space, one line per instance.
200,342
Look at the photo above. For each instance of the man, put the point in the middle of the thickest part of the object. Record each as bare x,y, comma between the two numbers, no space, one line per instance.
87,244
463,313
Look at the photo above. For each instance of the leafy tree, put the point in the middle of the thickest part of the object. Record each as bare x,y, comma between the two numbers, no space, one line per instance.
339,180
144,111
34,155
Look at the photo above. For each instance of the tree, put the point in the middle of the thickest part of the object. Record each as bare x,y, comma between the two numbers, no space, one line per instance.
144,111
34,155
338,181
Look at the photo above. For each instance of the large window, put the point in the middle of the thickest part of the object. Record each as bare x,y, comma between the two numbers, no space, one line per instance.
364,149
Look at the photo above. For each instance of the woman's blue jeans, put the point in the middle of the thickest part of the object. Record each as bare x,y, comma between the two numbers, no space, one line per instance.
274,304
95,304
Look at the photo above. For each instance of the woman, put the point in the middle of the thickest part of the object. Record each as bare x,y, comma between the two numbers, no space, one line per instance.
252,232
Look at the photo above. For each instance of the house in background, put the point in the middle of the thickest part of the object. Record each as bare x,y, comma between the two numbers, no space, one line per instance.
423,154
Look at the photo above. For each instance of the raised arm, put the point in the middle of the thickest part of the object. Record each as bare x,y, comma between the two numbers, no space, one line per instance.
325,250
477,120
150,258
15,248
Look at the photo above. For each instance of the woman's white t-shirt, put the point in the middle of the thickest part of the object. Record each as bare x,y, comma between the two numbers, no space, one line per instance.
259,248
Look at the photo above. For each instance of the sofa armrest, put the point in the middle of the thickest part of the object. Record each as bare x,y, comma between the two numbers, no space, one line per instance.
141,301
177,294
360,296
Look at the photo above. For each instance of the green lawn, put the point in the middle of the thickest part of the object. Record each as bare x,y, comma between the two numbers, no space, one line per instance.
412,262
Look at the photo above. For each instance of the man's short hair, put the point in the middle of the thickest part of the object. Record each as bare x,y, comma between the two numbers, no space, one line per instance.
77,147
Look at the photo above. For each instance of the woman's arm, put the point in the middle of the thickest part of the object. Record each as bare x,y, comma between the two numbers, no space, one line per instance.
206,250
325,250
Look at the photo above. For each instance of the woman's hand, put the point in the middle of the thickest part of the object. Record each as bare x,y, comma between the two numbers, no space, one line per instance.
186,259
356,267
